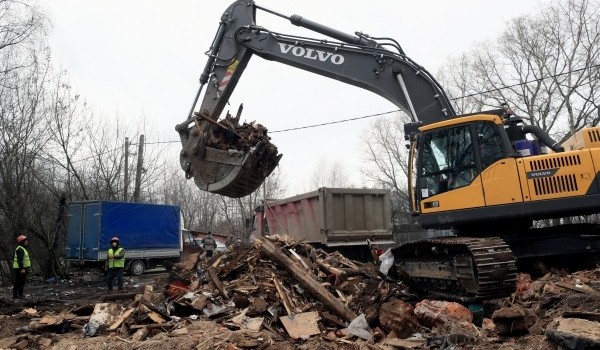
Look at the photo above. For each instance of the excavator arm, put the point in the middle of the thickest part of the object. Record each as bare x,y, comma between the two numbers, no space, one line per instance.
358,60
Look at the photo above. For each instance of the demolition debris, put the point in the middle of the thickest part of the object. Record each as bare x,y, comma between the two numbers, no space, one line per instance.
281,294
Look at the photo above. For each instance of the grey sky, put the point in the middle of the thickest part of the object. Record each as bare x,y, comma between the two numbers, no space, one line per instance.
143,57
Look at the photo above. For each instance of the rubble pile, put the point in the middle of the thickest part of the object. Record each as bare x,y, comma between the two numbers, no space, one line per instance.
280,294
229,134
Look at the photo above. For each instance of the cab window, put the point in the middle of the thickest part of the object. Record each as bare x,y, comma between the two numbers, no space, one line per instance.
491,147
447,160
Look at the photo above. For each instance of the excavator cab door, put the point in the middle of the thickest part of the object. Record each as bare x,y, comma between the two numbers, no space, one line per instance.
452,172
448,169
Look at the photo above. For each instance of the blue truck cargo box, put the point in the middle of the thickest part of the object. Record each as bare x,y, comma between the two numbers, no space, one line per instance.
145,230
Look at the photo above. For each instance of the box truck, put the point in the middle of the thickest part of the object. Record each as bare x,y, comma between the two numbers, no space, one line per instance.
151,234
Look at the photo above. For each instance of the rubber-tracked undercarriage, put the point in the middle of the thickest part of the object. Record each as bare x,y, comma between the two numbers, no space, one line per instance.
459,268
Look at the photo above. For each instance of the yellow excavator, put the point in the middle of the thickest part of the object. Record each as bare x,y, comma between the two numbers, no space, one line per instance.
487,176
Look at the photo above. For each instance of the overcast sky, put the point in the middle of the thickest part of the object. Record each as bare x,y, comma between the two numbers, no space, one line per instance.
143,58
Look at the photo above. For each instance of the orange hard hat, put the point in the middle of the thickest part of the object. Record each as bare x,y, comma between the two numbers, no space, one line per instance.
115,238
21,239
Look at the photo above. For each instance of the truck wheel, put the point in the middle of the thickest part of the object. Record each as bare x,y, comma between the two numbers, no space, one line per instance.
137,268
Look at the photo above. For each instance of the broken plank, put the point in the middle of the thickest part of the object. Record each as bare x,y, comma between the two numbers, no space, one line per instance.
215,279
299,258
306,280
121,319
404,343
154,316
577,289
152,326
342,298
51,320
124,340
217,262
140,334
283,296
301,325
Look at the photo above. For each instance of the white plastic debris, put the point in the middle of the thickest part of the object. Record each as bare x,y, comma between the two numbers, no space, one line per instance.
387,261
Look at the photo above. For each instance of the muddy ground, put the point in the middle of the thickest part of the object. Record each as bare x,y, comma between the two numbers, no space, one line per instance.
536,316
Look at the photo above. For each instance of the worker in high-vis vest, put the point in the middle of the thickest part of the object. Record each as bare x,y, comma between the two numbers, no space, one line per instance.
21,266
115,263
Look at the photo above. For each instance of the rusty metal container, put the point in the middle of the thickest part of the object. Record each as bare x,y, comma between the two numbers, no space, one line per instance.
332,217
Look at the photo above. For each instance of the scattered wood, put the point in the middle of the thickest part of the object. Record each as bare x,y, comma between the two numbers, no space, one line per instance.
154,316
153,326
190,262
301,325
405,343
20,345
124,340
29,311
299,258
283,296
217,262
215,279
51,320
179,331
105,313
113,297
590,316
199,303
577,289
121,319
148,291
307,281
45,342
140,334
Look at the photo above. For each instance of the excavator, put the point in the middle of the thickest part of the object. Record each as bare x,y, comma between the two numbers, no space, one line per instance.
487,176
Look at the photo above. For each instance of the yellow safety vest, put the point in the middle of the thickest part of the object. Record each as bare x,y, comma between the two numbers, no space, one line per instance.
115,262
26,260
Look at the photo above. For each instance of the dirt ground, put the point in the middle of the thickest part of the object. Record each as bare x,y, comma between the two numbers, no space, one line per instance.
55,314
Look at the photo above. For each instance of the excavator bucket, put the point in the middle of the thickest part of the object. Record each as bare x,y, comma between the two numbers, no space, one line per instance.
226,158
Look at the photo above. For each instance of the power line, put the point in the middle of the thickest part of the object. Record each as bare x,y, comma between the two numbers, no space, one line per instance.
526,82
372,115
97,155
335,122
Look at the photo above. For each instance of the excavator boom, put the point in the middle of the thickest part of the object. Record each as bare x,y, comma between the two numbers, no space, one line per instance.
236,166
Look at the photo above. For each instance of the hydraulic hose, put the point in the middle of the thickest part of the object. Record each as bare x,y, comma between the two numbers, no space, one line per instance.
542,136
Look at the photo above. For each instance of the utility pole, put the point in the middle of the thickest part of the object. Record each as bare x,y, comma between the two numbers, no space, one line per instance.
138,174
126,177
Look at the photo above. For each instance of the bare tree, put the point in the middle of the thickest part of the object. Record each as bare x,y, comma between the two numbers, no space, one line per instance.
198,208
22,139
545,66
329,174
386,163
22,27
461,83
385,153
68,118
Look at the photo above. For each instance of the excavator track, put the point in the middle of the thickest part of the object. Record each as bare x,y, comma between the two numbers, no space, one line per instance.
458,268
